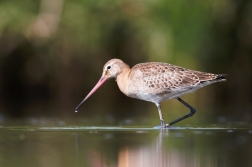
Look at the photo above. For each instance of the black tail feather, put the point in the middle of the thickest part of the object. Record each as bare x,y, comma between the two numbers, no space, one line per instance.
221,76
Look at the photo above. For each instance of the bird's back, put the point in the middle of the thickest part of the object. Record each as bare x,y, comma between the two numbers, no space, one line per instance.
156,81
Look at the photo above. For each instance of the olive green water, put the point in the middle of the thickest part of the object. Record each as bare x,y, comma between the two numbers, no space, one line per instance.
75,146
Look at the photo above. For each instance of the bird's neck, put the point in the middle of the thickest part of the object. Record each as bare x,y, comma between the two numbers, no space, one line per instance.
123,79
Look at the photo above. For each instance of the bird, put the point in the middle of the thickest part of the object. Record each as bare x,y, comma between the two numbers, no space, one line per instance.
156,82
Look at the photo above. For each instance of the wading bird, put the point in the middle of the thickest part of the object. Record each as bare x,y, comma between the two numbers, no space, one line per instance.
155,82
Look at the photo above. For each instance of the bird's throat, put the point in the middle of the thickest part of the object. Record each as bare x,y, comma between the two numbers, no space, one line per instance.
123,81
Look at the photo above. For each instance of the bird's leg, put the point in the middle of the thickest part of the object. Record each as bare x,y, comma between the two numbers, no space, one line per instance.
192,112
160,115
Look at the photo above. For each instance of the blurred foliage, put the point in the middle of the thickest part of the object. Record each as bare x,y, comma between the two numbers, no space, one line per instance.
52,53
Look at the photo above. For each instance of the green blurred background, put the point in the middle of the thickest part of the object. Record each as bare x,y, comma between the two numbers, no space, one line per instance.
52,53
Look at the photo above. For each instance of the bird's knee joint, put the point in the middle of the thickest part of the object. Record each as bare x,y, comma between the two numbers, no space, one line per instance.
193,111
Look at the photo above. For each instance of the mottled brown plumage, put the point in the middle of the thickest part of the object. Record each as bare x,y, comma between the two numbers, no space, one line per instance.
156,82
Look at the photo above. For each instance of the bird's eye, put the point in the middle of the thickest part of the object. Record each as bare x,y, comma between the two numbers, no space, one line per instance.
108,67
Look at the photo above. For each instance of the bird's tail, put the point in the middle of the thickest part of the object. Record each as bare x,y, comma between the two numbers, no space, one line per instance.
217,78
221,77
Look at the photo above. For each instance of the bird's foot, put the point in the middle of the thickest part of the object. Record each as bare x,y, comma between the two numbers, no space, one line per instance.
163,125
167,125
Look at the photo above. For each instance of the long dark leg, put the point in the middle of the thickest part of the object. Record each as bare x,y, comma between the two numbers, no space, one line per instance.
192,112
160,115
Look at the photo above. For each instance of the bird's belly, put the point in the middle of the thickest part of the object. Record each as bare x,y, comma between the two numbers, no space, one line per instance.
155,98
159,96
152,97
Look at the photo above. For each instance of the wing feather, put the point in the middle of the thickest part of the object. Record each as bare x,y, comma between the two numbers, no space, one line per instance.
166,76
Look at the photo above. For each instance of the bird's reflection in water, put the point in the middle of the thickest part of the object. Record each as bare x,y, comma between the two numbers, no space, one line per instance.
168,148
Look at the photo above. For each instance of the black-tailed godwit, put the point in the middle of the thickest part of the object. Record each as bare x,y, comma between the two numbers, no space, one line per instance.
156,82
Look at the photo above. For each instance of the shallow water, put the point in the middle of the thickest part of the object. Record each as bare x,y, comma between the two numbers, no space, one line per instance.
44,146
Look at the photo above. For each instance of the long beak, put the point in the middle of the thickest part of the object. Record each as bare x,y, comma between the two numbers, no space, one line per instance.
99,83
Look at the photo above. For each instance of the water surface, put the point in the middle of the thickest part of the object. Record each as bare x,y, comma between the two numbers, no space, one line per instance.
75,146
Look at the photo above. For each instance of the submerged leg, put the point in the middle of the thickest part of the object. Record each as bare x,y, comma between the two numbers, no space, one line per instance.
160,115
192,112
